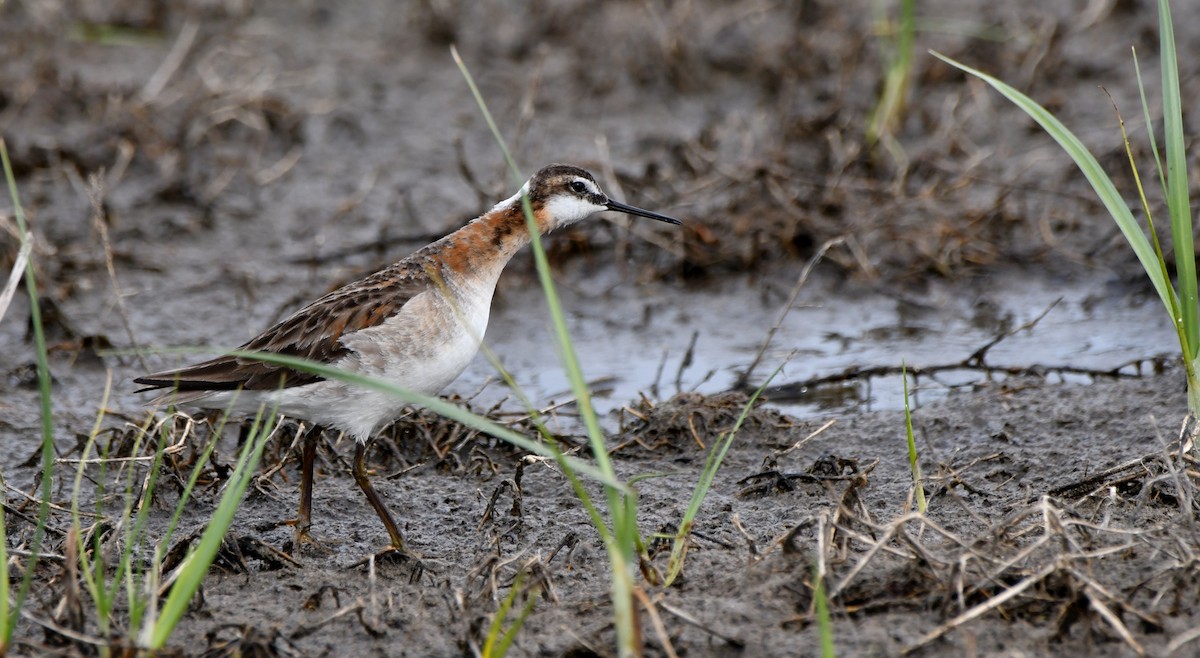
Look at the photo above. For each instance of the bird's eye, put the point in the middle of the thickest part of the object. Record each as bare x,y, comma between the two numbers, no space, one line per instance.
578,186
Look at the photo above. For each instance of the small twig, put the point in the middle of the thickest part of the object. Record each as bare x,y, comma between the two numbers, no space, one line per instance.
372,610
1131,470
621,249
824,540
179,50
982,608
125,152
14,278
1183,486
1183,638
977,357
569,542
42,555
529,100
31,499
66,632
750,544
812,435
660,629
355,608
744,379
796,390
696,623
95,194
686,362
468,176
631,227
1114,621
280,167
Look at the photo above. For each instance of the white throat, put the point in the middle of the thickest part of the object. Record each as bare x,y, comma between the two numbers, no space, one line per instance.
567,210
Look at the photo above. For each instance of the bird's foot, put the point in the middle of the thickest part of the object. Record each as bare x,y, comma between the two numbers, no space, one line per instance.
395,555
302,541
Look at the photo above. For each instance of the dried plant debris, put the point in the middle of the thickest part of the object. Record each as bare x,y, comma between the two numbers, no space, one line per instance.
245,640
691,421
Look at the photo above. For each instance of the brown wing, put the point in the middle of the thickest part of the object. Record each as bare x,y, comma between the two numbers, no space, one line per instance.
314,333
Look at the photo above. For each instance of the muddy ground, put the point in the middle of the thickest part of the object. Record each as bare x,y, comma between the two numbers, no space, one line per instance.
193,171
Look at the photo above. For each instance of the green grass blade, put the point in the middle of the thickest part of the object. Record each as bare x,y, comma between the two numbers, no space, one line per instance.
92,571
1162,174
824,619
1101,183
715,457
574,372
5,619
137,598
510,635
1176,313
914,462
496,628
1179,204
535,418
129,525
190,486
1177,178
621,542
43,373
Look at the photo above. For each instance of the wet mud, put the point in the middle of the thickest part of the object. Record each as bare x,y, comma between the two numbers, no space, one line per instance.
194,171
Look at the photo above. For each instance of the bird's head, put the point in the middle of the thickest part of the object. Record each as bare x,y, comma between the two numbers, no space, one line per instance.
564,194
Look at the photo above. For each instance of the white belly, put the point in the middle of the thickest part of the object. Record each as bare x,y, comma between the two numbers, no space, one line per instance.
421,349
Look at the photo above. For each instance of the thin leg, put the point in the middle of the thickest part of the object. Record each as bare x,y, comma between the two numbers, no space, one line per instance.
364,483
307,461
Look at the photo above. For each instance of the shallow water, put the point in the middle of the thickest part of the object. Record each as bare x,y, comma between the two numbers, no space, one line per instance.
633,340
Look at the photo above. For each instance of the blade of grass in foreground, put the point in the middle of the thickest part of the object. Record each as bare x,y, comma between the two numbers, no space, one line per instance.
15,276
1101,183
92,566
1176,311
9,621
499,640
621,542
567,349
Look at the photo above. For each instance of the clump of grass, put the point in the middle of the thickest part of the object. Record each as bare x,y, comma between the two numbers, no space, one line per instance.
104,586
126,582
1181,303
499,639
188,577
715,456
